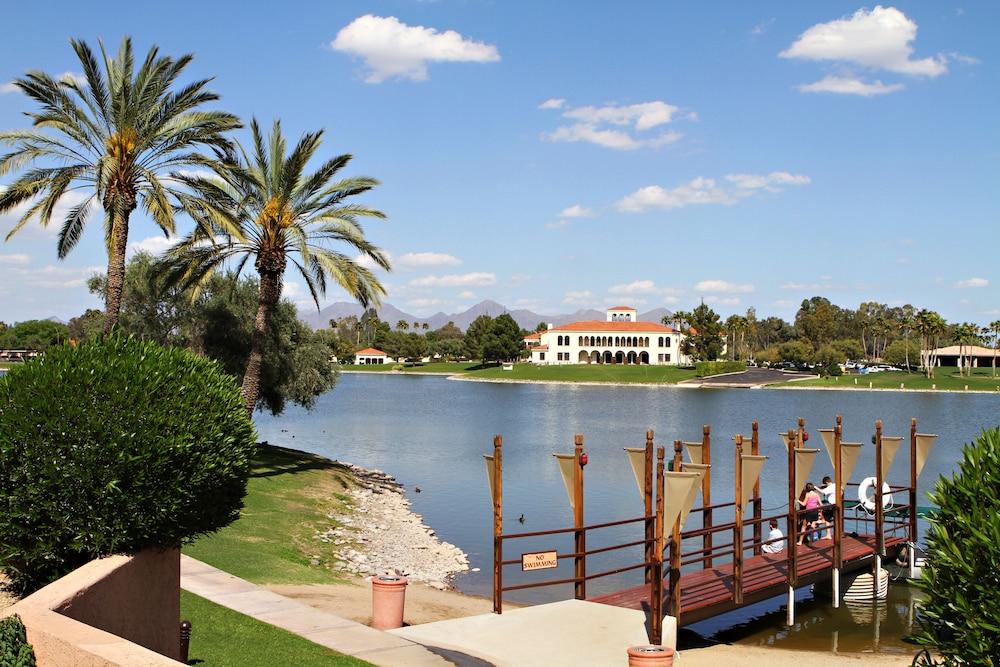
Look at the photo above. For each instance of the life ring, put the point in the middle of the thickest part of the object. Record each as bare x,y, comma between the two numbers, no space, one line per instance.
869,503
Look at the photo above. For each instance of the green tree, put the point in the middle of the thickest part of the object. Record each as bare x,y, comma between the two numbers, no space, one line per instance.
504,341
703,339
402,325
87,326
269,209
828,358
930,326
474,335
114,137
796,351
816,320
966,335
850,348
414,347
34,335
994,329
900,352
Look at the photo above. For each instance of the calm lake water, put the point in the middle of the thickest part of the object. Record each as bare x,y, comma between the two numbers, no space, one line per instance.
432,432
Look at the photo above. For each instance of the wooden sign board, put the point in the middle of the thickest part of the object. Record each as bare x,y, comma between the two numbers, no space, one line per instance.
543,560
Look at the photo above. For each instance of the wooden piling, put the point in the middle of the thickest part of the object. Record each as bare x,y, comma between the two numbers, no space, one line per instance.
580,560
647,493
910,548
675,547
879,514
738,526
758,502
497,524
792,527
706,493
838,512
656,585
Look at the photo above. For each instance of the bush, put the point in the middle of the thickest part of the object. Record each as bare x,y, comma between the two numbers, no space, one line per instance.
706,368
113,447
960,617
15,651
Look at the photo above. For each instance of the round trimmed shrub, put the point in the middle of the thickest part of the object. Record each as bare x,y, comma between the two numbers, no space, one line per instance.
960,615
113,447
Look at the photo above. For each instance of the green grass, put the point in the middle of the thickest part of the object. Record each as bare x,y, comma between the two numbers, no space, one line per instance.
560,373
288,498
221,637
945,378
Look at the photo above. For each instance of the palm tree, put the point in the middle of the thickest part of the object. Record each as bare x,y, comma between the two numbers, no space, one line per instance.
906,324
264,206
113,137
402,325
930,325
994,329
966,335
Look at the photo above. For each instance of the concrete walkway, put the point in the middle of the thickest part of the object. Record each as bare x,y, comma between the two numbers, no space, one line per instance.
339,634
560,634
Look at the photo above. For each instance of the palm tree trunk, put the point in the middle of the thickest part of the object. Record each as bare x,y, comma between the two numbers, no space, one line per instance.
116,272
270,290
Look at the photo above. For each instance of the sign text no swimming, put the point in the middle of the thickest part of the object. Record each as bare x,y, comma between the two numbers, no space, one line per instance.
541,560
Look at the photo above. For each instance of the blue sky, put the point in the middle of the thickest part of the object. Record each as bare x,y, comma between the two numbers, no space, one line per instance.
556,156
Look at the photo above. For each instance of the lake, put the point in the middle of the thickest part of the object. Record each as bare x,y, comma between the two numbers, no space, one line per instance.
432,432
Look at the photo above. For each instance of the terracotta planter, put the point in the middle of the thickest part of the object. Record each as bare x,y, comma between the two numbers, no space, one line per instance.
650,656
388,597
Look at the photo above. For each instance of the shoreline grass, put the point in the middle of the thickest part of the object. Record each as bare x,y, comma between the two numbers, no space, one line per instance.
945,379
221,637
610,373
289,497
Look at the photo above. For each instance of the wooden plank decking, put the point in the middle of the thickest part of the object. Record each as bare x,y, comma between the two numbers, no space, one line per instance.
709,592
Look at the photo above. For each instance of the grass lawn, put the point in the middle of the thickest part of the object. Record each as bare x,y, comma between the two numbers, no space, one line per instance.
567,373
944,378
221,637
288,498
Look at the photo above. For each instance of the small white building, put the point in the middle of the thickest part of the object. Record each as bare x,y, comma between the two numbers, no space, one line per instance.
369,356
618,339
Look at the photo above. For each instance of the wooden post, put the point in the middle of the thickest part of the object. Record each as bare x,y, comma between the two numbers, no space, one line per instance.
656,585
675,547
838,511
648,505
706,493
879,517
758,502
497,524
581,535
792,538
738,528
911,547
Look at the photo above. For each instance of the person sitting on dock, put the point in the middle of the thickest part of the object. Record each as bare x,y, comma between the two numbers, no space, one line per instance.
775,543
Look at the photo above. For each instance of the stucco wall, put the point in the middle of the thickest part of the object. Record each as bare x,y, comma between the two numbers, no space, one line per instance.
114,611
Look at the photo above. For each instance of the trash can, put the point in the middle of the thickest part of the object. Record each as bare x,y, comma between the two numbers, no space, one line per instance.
650,656
388,596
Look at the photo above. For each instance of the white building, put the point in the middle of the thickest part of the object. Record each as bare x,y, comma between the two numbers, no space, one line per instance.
618,339
369,356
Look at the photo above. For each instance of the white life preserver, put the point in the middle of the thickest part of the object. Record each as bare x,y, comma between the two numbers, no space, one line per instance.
867,485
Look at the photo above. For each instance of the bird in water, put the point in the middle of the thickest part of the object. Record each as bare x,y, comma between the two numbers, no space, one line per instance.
521,518
417,489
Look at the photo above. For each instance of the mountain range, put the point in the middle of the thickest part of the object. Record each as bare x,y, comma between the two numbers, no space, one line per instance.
526,319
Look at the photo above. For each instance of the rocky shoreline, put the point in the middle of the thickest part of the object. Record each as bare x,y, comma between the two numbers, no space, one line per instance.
379,533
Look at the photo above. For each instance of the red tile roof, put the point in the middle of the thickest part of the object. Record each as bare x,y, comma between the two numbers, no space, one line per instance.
622,308
371,352
533,336
602,325
540,347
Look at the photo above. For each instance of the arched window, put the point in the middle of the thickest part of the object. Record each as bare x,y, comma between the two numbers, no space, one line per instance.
666,341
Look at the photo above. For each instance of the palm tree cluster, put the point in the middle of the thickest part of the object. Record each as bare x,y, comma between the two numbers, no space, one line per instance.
126,137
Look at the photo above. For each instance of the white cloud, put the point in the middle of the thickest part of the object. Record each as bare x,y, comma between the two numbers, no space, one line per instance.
762,27
880,38
477,279
369,263
393,49
154,245
850,85
34,229
7,88
56,276
697,191
611,126
519,278
580,298
964,58
723,300
973,282
80,80
423,302
424,260
17,259
768,182
553,103
466,295
635,287
638,288
722,287
576,211
559,224
703,190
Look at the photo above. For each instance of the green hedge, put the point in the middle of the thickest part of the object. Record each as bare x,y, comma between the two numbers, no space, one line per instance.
113,447
15,651
960,615
706,368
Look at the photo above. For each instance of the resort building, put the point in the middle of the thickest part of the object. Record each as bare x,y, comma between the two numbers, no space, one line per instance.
965,355
369,356
618,339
